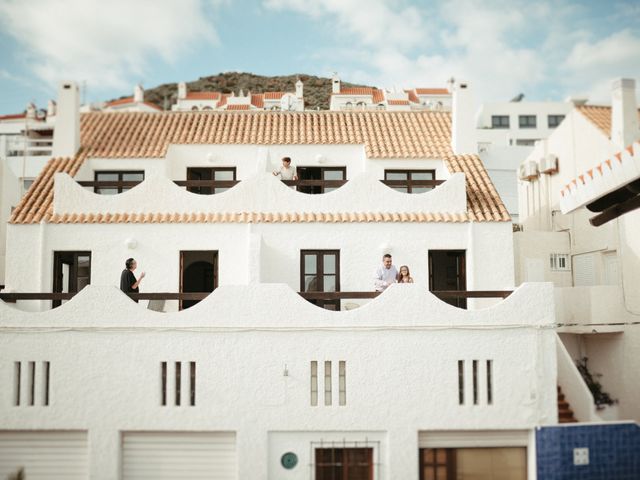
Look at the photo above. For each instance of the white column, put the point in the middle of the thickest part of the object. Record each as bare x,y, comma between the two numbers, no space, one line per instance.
104,454
401,459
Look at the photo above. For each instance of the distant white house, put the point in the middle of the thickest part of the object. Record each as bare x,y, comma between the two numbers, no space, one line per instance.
367,98
266,101
581,224
135,103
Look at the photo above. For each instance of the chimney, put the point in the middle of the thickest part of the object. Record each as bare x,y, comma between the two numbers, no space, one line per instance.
299,87
624,113
51,108
66,135
138,94
335,83
31,111
182,91
463,131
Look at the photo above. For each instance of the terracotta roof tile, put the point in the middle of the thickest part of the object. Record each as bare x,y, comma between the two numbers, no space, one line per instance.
378,96
432,91
412,96
600,116
273,95
121,101
257,99
398,102
406,135
203,95
356,91
13,116
237,107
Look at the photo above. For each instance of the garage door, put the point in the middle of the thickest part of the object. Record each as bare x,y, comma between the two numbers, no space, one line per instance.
44,455
184,455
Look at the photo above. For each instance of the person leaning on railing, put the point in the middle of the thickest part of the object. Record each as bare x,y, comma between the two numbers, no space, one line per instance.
128,282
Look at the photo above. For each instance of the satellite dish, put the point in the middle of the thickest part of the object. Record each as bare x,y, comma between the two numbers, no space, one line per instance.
287,102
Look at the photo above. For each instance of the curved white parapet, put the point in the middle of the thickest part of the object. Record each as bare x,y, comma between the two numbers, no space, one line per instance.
244,307
261,193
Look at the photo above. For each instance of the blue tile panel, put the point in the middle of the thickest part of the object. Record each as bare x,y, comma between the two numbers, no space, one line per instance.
614,452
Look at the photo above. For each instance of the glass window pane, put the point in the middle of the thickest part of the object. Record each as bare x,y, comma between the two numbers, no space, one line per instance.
104,177
107,191
401,189
329,264
441,455
333,175
442,473
224,174
422,176
310,283
396,176
329,283
429,473
420,189
427,455
310,263
132,177
220,190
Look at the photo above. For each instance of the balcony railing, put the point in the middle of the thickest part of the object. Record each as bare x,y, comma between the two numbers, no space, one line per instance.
231,183
443,294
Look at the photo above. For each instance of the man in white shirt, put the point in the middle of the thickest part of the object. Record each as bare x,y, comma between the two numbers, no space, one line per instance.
286,171
386,274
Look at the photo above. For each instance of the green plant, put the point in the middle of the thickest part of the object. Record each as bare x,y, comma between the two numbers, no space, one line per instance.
600,397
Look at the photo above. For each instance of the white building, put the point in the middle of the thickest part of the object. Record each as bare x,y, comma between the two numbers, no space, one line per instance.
134,103
367,98
506,133
589,164
26,141
254,381
270,101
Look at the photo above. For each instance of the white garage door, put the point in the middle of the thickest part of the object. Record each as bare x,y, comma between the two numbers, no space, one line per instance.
184,455
44,455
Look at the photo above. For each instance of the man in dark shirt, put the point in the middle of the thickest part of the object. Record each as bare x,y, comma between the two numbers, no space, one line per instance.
128,282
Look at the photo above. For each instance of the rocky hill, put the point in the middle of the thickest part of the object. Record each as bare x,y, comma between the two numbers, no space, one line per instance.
316,89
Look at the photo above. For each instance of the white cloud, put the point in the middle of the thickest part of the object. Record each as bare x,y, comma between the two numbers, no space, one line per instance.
110,44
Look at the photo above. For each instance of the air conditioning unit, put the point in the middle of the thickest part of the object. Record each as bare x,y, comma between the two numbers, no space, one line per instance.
528,171
549,164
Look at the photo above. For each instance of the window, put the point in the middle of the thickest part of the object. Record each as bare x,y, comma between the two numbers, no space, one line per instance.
320,272
554,120
314,383
526,142
116,176
499,121
317,174
437,464
559,262
344,463
527,121
447,271
183,371
31,383
342,383
71,272
410,181
219,174
327,383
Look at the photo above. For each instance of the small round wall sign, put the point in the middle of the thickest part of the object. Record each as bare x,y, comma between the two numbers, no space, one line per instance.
289,460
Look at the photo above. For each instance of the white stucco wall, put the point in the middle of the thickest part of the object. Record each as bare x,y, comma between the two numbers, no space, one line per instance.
105,353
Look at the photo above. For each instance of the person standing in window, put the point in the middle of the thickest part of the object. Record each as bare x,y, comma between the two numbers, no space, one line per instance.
404,276
286,171
128,282
386,274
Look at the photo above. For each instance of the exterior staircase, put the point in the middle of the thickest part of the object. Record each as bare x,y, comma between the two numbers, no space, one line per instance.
565,414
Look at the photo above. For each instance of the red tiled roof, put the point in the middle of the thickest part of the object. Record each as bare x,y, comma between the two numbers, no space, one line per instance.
257,100
600,116
432,91
378,96
237,107
412,96
223,100
398,102
273,95
203,95
356,91
152,105
423,134
13,116
121,101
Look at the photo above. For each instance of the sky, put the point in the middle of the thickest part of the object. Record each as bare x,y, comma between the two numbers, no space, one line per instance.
547,50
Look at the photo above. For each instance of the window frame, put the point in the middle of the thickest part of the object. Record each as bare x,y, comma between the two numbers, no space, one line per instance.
497,121
449,464
409,185
320,253
321,189
557,119
524,121
58,281
212,171
343,463
120,174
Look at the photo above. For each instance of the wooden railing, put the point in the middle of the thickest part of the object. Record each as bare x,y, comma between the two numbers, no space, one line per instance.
231,183
13,297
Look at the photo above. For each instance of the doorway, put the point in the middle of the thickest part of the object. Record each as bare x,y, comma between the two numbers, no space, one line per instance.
320,272
320,173
344,463
198,273
210,173
71,273
447,271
